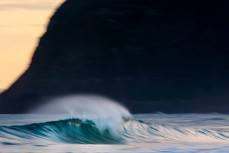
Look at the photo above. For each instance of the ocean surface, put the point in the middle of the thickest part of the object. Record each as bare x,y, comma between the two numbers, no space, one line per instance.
105,126
189,133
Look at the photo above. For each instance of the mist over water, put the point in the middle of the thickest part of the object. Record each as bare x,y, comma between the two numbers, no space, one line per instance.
92,123
85,106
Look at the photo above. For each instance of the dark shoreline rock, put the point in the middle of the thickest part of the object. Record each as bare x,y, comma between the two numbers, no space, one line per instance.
150,55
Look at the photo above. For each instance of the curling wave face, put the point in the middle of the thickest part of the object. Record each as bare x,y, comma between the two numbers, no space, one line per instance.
63,131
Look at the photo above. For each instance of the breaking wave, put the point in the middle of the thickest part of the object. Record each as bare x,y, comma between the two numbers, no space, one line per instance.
97,120
77,131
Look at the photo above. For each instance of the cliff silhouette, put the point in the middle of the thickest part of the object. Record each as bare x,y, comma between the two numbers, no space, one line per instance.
150,55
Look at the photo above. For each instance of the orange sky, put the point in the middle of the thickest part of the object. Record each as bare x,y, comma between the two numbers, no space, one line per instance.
21,24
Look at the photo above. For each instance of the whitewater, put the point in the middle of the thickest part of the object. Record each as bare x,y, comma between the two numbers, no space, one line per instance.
96,124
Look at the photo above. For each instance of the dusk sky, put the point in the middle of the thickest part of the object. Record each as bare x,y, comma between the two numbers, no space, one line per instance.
22,24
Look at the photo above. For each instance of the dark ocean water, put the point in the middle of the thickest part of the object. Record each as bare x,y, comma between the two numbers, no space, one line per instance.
140,133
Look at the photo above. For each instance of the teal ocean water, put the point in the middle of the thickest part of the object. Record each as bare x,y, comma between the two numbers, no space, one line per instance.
101,125
142,133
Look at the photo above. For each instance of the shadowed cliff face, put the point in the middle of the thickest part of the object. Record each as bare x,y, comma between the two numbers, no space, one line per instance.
151,55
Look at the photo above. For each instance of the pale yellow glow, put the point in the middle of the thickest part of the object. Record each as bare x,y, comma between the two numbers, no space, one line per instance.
21,25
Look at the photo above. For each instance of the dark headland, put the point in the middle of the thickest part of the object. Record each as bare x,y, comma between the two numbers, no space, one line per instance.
167,56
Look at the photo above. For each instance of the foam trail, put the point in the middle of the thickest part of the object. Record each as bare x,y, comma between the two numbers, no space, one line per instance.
139,131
